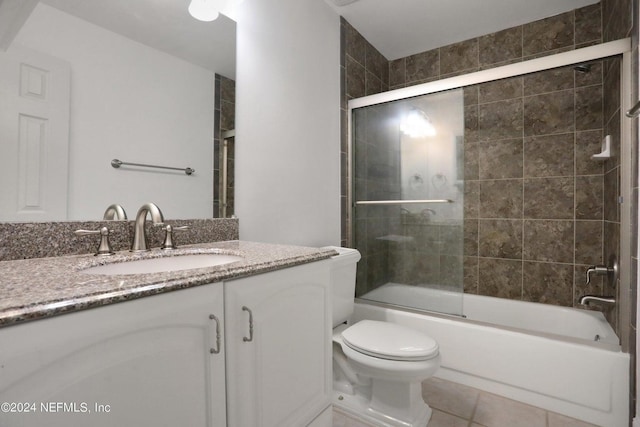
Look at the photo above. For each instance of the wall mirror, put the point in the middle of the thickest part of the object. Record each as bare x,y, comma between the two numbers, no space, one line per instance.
89,81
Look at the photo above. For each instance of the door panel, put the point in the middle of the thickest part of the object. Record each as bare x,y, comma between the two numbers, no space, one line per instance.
34,135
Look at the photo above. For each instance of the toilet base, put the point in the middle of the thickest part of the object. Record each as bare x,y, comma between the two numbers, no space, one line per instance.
359,407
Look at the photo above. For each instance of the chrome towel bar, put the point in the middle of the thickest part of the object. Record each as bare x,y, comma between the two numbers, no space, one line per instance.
117,163
634,111
401,202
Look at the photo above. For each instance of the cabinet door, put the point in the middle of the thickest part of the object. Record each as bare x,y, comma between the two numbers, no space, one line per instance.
145,362
278,337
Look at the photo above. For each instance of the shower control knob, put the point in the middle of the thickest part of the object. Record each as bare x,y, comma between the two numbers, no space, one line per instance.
611,271
600,270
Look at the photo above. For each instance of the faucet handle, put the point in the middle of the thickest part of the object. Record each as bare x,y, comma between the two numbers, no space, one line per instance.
600,270
611,271
105,247
168,238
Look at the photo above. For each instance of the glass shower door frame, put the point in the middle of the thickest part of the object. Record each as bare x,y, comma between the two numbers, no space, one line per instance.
586,54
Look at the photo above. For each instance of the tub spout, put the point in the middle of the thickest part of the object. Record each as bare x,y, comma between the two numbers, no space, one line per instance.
588,299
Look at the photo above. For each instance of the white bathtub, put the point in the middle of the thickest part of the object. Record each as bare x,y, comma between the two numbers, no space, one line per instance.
543,355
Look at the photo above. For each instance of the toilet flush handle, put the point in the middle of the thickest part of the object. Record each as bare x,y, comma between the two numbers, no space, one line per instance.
245,339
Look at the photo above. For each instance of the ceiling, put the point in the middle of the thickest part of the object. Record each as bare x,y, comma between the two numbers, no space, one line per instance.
399,28
164,25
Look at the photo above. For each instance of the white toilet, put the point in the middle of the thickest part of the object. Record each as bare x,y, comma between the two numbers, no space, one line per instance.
378,367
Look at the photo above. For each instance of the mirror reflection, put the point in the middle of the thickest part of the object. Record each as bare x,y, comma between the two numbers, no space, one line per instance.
89,81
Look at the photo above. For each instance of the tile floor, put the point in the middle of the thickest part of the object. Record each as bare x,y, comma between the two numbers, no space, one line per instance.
456,405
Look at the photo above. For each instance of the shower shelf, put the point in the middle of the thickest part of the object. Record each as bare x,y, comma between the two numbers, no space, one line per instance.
606,150
401,202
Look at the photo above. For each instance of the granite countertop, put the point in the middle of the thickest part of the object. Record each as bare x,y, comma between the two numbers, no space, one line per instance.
38,288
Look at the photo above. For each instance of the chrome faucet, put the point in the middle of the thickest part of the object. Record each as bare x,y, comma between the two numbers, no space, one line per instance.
140,242
114,212
587,299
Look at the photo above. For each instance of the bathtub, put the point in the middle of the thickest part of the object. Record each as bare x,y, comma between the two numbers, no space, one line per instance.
561,359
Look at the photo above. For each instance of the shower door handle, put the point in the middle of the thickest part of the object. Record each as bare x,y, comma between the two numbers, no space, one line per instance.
401,202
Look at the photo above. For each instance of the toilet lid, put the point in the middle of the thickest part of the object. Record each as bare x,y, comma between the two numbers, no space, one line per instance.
387,340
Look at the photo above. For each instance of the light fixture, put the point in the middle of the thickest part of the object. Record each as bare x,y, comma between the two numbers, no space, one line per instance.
205,10
417,124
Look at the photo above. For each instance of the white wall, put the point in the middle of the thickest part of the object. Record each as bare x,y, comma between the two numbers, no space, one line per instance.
136,104
287,120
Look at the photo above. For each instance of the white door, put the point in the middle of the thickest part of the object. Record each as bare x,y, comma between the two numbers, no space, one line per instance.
278,337
34,135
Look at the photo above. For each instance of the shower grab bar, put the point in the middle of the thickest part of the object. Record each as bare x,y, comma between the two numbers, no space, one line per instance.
117,163
401,202
634,111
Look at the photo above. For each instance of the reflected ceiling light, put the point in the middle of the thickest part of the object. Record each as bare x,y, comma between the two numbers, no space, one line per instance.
205,10
417,124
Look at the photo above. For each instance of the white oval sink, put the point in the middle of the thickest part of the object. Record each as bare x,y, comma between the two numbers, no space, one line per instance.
165,264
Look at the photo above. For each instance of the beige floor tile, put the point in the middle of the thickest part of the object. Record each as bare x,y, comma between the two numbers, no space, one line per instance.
557,420
450,397
442,419
496,411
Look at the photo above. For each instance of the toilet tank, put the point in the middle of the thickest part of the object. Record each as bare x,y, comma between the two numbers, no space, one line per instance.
343,283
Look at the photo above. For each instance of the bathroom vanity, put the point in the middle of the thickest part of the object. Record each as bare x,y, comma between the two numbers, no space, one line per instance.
242,344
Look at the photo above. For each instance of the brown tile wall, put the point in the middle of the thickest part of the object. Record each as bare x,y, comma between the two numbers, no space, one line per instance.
522,139
364,71
533,196
529,160
225,111
567,31
377,176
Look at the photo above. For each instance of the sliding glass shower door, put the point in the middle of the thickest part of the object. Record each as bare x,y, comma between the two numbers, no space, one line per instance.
408,190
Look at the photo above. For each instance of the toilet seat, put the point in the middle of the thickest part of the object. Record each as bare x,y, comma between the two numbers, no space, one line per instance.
389,341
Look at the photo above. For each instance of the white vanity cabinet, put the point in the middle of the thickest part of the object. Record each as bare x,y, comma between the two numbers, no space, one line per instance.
160,360
278,338
146,362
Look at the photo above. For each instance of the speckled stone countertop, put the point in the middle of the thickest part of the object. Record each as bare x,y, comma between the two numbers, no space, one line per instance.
33,289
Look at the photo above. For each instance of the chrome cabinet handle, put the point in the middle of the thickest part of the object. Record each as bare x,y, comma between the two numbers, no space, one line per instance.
217,349
245,339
